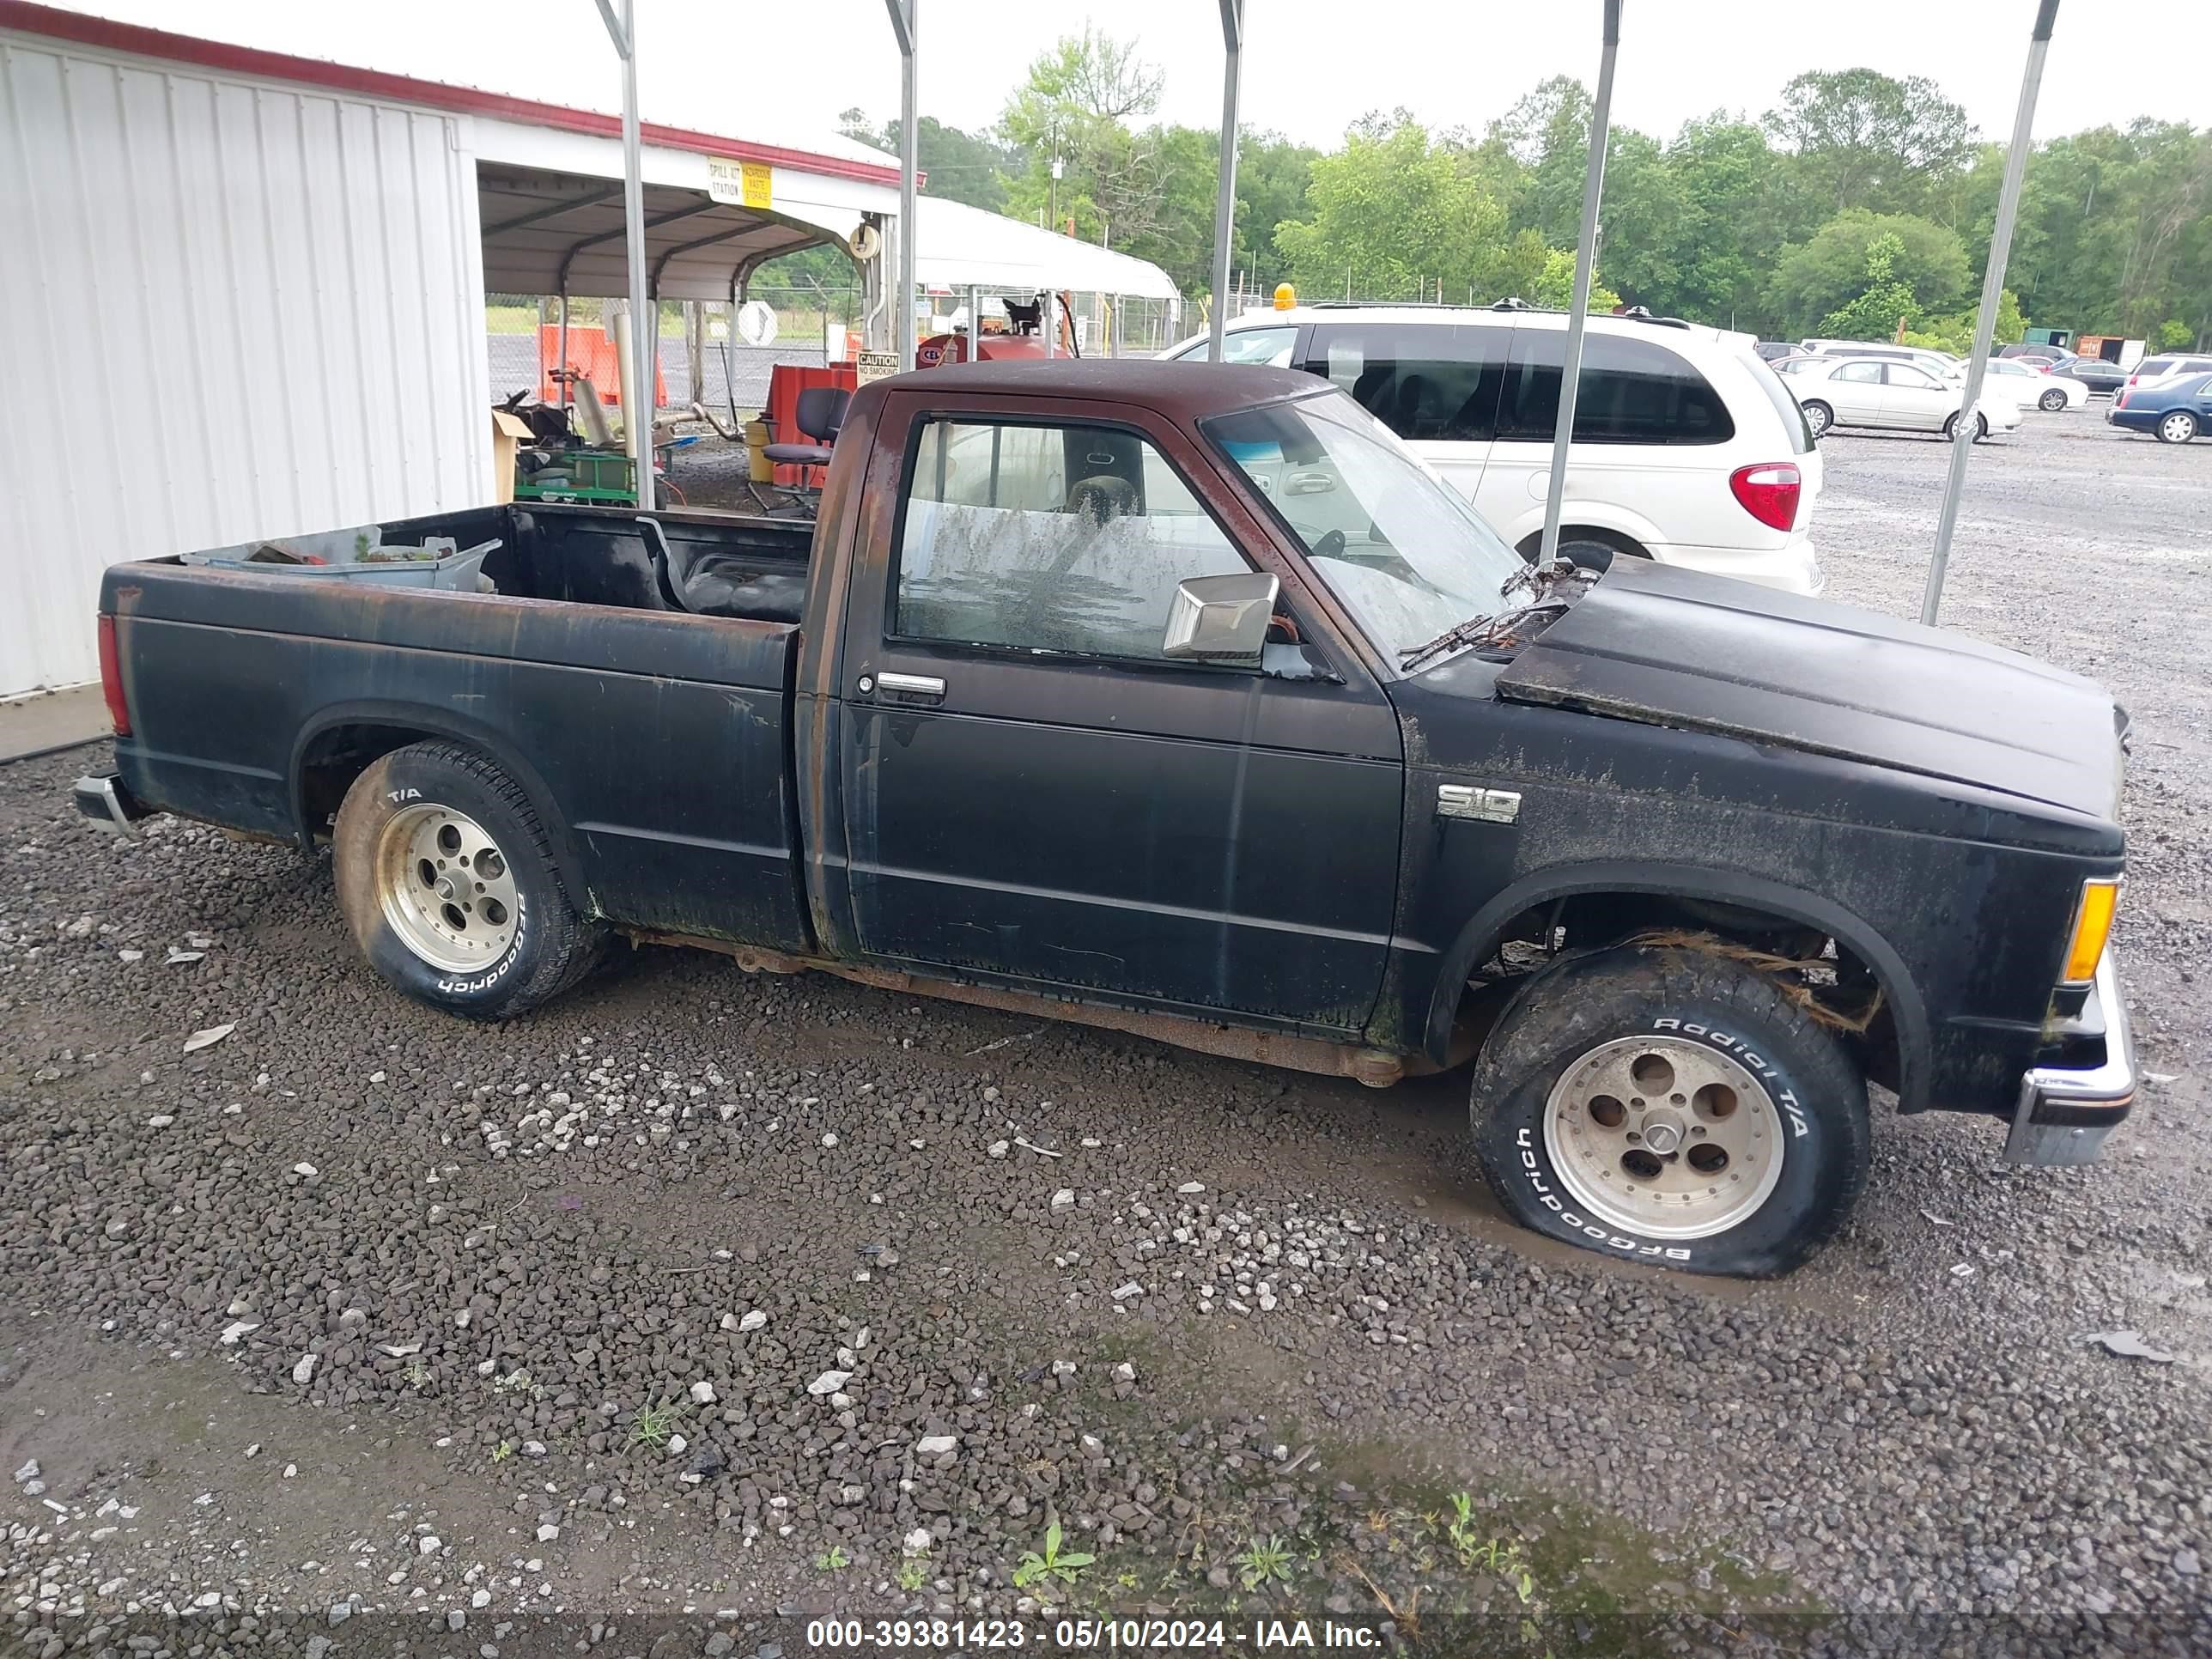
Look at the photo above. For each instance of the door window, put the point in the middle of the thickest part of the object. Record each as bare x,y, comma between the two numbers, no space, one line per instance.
1436,382
1863,373
1065,538
1905,374
1634,391
1269,347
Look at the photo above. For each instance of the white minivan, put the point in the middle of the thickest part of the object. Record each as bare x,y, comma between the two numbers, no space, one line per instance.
1687,449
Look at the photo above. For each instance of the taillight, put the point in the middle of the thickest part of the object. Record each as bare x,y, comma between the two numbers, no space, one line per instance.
2121,402
111,677
1769,492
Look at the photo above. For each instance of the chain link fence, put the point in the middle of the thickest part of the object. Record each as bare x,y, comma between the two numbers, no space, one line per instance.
813,323
730,371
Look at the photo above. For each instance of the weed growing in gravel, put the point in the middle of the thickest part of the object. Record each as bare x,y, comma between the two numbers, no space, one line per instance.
913,1573
653,1426
833,1560
1264,1559
1035,1569
503,1451
518,1382
418,1376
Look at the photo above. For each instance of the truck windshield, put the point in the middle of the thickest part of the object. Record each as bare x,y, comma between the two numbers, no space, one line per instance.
1403,550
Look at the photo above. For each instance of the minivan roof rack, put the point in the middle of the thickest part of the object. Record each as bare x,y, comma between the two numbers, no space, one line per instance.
1511,302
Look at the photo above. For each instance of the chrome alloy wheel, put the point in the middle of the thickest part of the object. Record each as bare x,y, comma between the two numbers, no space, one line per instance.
445,888
1664,1137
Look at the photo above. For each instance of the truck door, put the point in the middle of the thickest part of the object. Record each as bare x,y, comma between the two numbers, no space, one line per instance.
1032,792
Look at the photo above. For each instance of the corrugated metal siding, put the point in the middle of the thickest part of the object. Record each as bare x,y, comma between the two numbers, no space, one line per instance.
226,311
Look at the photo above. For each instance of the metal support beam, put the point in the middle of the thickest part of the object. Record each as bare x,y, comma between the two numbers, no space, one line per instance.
909,227
1985,321
554,210
1570,372
645,324
661,265
569,259
1225,203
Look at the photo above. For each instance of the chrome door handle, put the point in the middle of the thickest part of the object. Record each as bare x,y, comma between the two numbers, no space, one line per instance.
911,685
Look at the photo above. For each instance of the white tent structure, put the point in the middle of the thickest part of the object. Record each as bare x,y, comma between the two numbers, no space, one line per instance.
962,248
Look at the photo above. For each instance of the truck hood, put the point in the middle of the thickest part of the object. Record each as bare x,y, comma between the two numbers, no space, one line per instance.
1675,647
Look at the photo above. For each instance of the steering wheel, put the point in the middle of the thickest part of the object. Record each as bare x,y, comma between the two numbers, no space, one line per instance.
1330,546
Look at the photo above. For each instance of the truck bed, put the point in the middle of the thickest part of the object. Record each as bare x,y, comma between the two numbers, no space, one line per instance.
659,738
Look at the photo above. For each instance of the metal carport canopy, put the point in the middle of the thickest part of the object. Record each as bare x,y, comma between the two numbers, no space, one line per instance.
962,246
550,207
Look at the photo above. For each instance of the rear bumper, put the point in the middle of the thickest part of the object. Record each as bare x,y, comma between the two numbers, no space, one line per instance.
103,798
2066,1111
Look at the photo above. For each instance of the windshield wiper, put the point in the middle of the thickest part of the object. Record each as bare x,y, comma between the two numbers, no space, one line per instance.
1544,586
1458,634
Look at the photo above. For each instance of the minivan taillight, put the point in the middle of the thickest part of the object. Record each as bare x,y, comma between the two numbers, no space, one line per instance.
1769,492
111,677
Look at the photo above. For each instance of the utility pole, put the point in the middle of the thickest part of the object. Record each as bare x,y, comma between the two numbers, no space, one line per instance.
1570,372
1985,321
644,322
1224,204
910,225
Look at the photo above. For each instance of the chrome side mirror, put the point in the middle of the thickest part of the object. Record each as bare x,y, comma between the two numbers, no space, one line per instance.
1221,619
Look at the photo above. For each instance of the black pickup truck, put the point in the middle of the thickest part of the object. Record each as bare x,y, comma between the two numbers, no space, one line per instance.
1183,700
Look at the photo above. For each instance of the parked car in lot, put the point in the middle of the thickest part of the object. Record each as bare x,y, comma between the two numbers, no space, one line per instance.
2177,410
1686,449
1938,363
2031,352
2167,365
2094,372
2031,387
1872,392
1185,700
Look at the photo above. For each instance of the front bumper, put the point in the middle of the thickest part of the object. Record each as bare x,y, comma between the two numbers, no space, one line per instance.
2066,1111
104,799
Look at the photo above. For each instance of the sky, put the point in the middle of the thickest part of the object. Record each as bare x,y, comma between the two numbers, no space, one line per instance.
1310,66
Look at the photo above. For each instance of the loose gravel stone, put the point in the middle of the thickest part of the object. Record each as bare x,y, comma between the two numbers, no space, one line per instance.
527,1238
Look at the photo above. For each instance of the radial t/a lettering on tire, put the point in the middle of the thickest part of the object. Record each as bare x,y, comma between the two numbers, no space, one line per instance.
447,877
1671,1106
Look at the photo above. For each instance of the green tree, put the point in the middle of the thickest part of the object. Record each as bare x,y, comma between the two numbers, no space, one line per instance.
1955,333
1075,109
961,167
1391,213
1555,284
1884,306
1859,137
1830,270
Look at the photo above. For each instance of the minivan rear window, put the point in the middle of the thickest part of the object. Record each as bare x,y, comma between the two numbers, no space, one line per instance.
1633,391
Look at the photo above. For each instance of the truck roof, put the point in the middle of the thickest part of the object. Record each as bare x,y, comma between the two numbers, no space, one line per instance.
1186,390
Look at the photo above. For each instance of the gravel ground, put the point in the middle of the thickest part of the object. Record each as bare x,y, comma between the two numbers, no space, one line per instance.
700,1304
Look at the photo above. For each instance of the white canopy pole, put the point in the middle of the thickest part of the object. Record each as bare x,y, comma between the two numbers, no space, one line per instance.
910,225
644,325
1985,322
1224,206
1570,372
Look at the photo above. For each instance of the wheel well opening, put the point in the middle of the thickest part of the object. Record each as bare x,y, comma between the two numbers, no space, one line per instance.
1812,965
335,757
1624,545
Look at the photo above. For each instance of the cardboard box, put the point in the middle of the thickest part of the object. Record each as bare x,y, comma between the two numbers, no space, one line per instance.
508,434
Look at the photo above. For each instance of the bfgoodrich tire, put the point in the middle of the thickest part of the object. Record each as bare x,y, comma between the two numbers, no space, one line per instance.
1671,1106
447,877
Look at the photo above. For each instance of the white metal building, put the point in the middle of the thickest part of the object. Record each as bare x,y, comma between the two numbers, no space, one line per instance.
242,293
